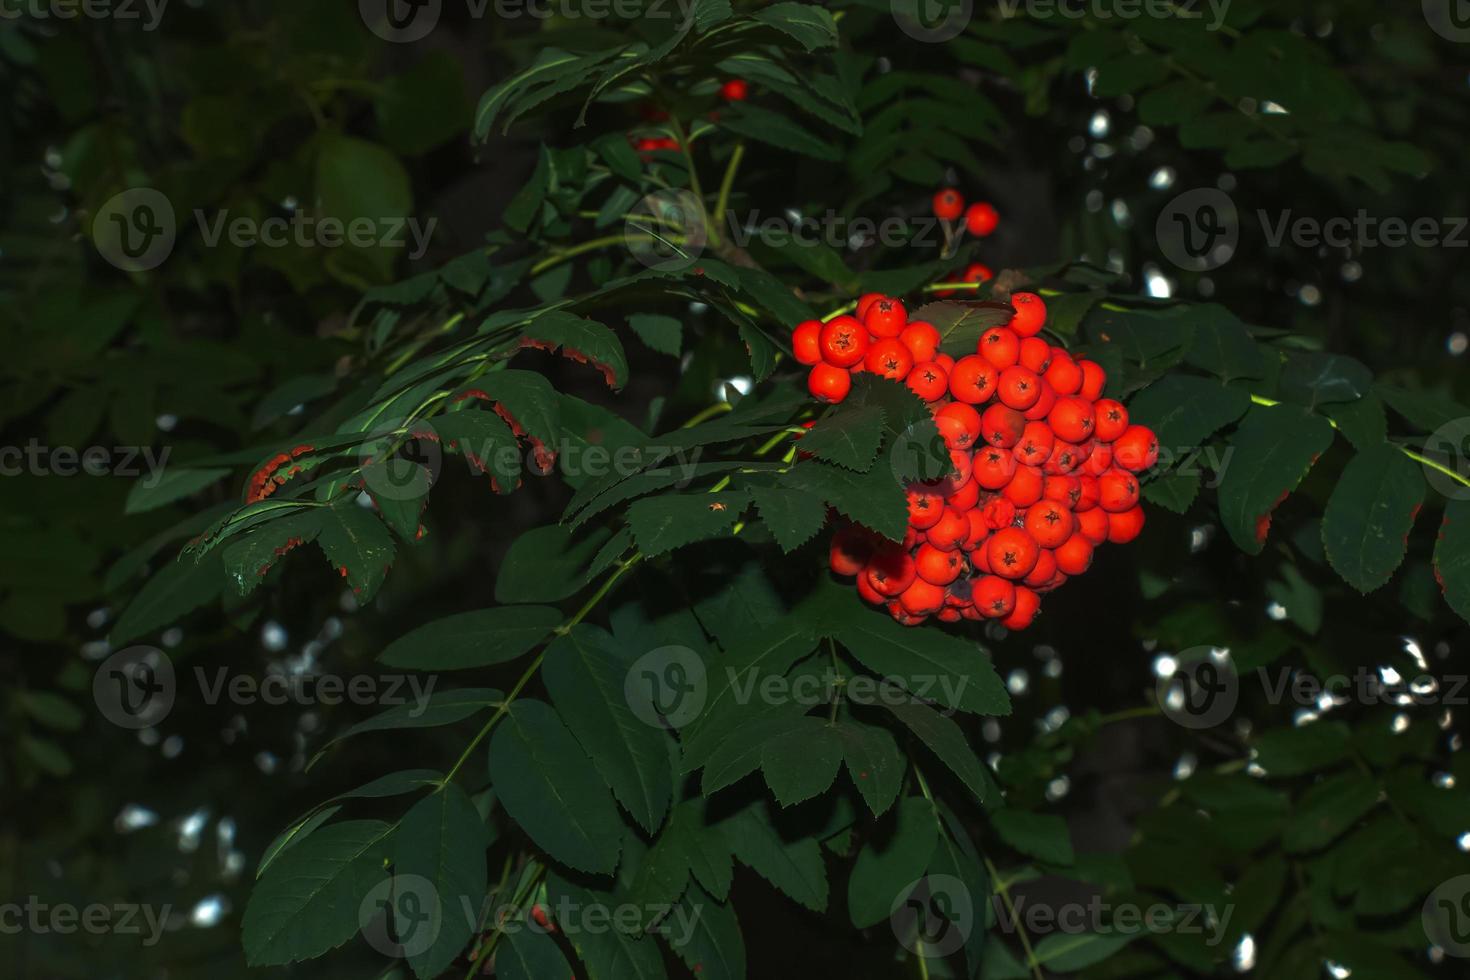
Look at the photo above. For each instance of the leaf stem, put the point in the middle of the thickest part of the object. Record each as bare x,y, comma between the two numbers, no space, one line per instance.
723,201
1004,891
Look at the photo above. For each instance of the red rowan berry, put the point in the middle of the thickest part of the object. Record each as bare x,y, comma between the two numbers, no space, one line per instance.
1025,486
1012,553
1000,346
735,90
867,592
959,425
922,340
949,204
1136,449
966,496
950,530
1064,489
928,381
1071,418
1125,526
1019,387
1024,613
828,383
885,317
981,219
850,551
1087,493
865,303
979,529
922,597
805,341
890,571
925,507
1030,314
994,597
973,379
843,341
1092,527
1035,354
1049,523
1110,419
1064,376
994,468
889,358
1093,380
1117,491
1045,570
938,566
1036,444
1074,555
1044,404
1002,426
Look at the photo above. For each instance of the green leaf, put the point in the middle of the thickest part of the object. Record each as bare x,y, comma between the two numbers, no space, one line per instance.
473,639
874,762
307,902
1043,836
358,545
442,708
248,560
526,205
945,740
848,436
873,499
443,840
713,946
801,762
1426,411
889,864
49,757
1223,346
687,846
610,953
762,653
811,26
793,517
765,126
1363,422
1452,557
1326,811
1365,529
51,710
486,442
1063,952
1293,751
548,564
175,484
960,324
581,340
529,401
1184,411
173,592
1312,378
546,783
1274,449
530,954
793,865
1173,491
663,334
669,521
356,181
586,673
928,663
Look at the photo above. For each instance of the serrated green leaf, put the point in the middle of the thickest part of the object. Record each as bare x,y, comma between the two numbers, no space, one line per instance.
946,741
546,783
432,711
248,560
358,545
530,401
611,953
1043,836
892,861
1274,449
580,339
793,517
713,946
663,334
793,864
443,840
873,499
960,324
928,663
176,483
669,521
848,436
586,673
1365,530
1184,411
530,954
548,564
1328,809
473,639
1312,378
801,762
1452,557
174,591
307,902
874,762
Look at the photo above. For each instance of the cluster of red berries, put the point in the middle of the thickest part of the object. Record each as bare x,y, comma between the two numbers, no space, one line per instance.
1043,467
